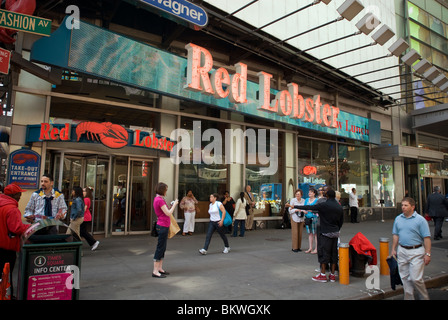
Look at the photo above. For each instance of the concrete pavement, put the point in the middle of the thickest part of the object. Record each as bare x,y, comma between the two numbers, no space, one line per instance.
260,266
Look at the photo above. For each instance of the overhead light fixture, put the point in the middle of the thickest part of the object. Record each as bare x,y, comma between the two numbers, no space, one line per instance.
350,9
410,57
431,73
325,1
422,66
398,47
383,35
440,80
444,88
368,23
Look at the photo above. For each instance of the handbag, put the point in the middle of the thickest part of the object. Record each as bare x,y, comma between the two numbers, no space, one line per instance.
154,232
227,219
174,228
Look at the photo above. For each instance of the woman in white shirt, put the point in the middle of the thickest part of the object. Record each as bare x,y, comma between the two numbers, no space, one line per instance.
296,220
216,223
239,216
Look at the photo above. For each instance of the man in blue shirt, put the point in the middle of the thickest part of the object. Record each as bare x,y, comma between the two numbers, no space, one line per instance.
412,246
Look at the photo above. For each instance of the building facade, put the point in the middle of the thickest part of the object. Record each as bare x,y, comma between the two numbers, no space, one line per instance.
126,97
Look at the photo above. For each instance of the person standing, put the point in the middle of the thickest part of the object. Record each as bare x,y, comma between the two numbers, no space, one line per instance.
11,227
250,207
311,227
87,223
436,209
188,204
331,218
353,203
216,224
411,244
240,216
76,211
229,205
46,203
163,225
296,221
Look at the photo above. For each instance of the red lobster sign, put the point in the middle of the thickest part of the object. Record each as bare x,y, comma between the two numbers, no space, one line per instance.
111,135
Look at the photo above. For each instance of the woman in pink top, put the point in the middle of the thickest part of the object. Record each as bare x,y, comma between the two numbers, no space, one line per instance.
163,224
87,224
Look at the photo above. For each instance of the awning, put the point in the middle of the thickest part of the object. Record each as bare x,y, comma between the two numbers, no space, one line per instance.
431,120
398,152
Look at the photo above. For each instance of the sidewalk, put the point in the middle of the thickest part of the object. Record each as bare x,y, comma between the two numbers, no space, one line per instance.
260,266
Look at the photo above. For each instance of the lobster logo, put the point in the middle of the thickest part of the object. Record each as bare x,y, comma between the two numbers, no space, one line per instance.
111,135
19,6
22,158
308,170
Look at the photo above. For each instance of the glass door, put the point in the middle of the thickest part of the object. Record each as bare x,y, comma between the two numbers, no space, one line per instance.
119,189
96,177
139,196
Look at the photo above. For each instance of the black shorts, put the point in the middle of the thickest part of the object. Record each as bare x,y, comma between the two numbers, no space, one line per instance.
329,248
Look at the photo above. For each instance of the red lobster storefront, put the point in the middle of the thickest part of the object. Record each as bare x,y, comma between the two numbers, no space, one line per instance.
118,163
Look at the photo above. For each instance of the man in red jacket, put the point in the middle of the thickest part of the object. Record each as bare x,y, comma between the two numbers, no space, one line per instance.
11,226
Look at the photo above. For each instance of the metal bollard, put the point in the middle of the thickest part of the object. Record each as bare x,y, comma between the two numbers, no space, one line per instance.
384,253
344,261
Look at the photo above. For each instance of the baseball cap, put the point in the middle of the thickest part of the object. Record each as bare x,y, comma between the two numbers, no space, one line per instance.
12,189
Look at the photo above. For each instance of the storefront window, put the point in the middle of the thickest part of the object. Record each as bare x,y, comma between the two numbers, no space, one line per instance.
316,163
354,172
265,180
206,177
383,183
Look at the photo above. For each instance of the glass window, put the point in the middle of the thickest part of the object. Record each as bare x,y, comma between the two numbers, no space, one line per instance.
266,180
317,164
418,31
439,42
383,186
427,142
422,49
204,178
418,14
354,172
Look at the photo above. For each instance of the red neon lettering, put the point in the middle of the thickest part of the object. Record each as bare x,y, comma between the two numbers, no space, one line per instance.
238,90
44,131
326,112
309,115
220,77
197,75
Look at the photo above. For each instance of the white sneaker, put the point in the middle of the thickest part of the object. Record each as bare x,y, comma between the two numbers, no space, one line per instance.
203,251
95,245
226,250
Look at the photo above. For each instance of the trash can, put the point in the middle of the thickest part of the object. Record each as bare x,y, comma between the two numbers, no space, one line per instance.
358,263
49,262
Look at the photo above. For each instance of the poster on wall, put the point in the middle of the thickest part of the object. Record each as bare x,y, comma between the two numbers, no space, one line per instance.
24,168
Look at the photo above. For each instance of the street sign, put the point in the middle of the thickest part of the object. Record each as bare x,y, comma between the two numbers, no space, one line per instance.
5,57
25,23
181,9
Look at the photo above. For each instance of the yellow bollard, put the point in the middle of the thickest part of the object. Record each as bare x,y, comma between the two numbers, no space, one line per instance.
344,261
384,253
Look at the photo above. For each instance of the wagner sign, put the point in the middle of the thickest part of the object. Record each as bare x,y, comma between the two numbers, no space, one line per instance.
111,135
181,9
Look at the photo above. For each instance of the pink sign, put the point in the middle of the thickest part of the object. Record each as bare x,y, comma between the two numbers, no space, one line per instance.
49,287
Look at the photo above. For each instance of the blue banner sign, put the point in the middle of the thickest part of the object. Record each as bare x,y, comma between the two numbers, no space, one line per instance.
181,9
24,168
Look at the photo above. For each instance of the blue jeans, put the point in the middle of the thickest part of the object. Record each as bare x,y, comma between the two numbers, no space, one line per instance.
242,224
161,243
212,226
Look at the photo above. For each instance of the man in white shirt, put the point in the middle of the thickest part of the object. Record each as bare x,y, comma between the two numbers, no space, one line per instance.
353,203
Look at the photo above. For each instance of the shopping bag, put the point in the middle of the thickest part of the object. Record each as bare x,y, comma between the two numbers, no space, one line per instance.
227,219
174,228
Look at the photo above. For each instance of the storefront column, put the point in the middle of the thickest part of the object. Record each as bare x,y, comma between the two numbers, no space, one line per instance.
28,108
168,172
236,170
291,157
399,179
